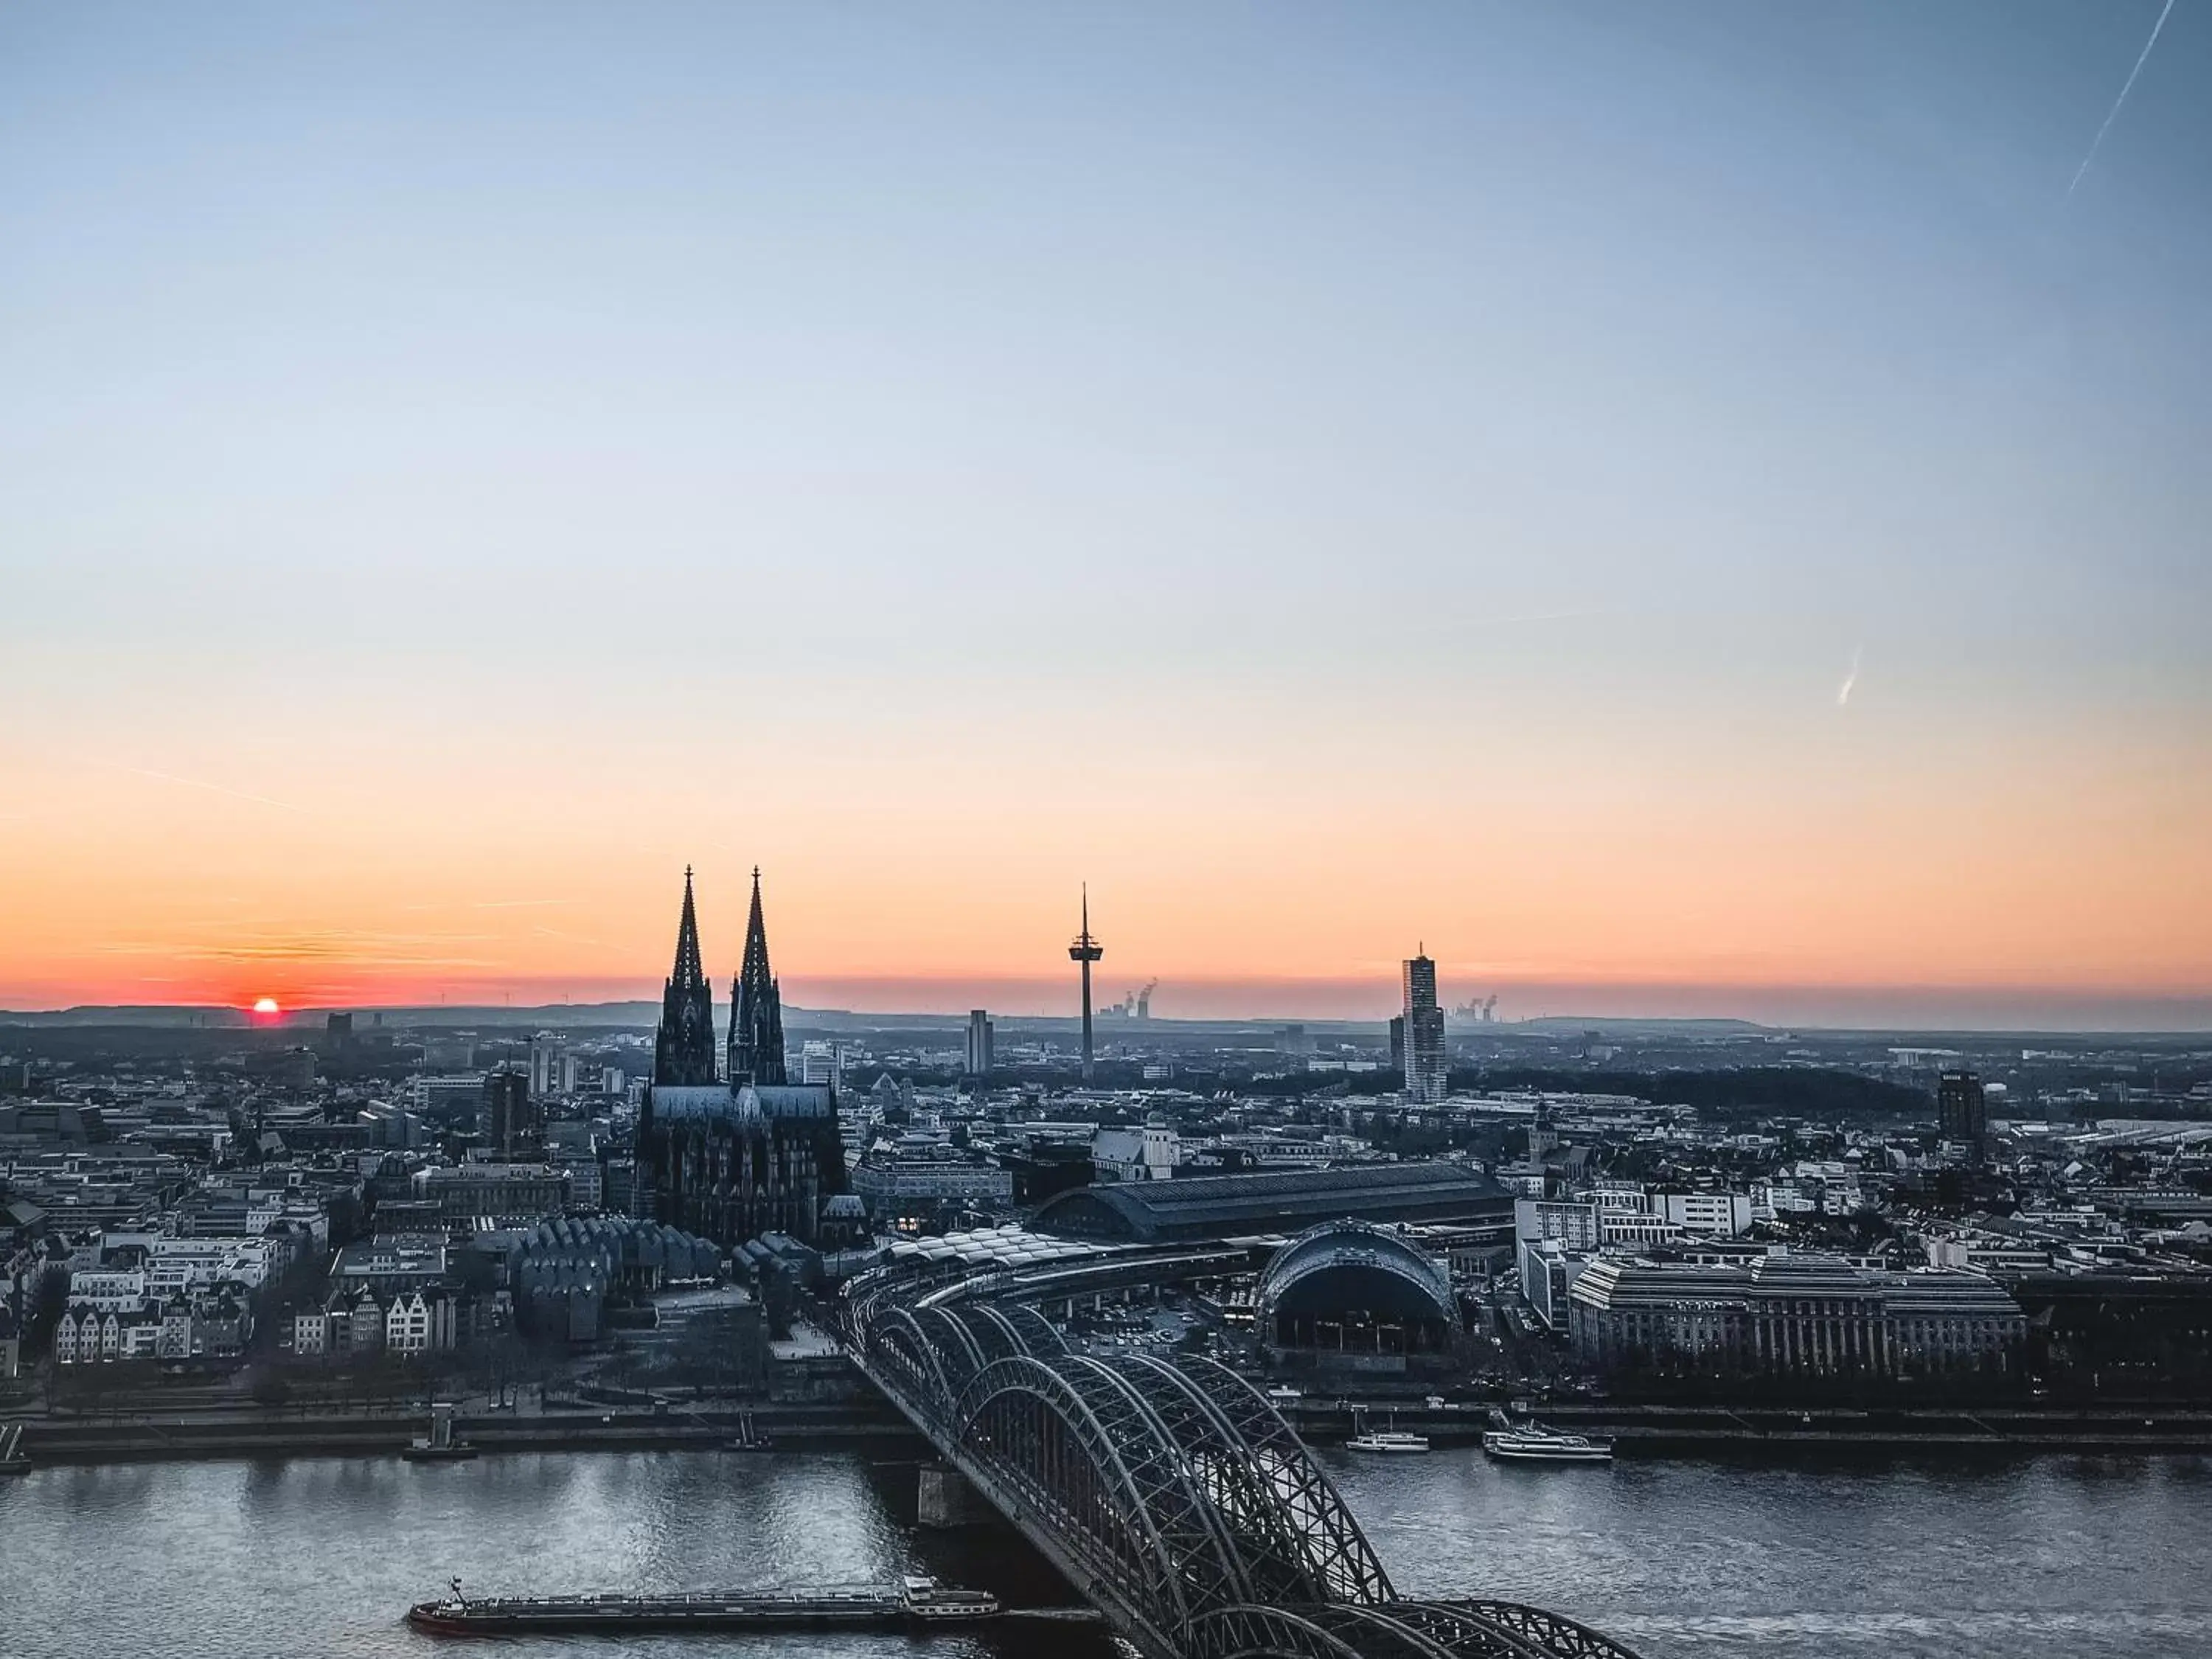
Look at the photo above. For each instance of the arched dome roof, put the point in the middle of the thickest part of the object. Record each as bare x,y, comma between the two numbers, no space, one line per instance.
1343,1265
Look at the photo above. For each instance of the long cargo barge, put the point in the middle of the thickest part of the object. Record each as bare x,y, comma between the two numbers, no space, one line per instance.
916,1602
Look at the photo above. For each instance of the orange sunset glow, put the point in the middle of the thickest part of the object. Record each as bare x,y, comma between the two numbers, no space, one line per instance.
1807,873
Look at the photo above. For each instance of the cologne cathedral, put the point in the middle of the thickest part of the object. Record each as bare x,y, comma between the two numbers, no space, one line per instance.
726,1147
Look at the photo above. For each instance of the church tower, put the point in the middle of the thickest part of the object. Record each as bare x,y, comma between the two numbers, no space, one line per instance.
683,1048
755,1009
730,1159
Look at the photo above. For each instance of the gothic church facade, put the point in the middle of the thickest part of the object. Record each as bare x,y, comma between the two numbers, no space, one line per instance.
727,1148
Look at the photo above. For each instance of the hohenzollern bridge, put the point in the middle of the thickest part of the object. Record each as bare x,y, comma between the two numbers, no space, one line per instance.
1169,1492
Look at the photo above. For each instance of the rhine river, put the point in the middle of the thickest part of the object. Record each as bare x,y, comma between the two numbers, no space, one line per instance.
2052,1558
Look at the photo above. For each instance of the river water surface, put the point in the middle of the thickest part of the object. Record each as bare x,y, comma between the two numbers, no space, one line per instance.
2041,1558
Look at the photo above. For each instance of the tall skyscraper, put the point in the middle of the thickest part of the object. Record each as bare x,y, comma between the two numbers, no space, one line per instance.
1425,1031
552,1067
1963,1109
512,1122
1086,951
757,1008
980,1055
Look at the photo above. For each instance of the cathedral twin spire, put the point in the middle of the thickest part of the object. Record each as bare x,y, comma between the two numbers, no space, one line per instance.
757,1007
689,970
683,1049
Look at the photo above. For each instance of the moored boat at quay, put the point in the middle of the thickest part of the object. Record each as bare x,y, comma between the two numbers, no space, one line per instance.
916,1600
442,1444
1533,1443
1366,1437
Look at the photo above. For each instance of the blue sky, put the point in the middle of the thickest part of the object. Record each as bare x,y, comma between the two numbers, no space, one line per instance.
1195,408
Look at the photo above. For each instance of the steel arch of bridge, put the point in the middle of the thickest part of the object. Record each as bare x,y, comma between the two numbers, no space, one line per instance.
1298,1541
1396,1630
1172,1493
1074,1448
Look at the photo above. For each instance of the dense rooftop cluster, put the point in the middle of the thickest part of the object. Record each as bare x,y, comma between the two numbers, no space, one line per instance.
202,1196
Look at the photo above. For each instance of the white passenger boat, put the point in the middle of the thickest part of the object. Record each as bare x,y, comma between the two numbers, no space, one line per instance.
1534,1442
1387,1440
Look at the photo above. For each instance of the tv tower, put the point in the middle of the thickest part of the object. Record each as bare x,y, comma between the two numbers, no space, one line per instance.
1086,951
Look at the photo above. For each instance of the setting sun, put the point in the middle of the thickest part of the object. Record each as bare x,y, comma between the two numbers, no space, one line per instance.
265,1006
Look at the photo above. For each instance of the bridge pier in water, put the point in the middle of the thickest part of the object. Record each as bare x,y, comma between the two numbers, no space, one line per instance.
944,1499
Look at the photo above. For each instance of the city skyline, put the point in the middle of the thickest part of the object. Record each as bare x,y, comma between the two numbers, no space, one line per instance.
1689,512
1476,734
272,982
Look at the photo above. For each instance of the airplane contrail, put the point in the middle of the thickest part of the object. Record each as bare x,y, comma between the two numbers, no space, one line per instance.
214,788
1850,679
2125,90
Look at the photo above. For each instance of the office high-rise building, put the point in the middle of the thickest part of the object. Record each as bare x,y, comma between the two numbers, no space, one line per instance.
1962,1107
1420,980
511,1121
980,1055
821,1062
1424,1031
552,1067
